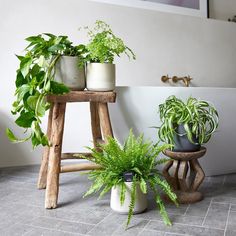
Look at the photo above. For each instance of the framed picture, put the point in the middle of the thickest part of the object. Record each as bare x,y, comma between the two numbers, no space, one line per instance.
198,8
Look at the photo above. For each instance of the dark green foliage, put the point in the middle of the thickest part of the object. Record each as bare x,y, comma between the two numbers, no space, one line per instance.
198,117
34,80
135,156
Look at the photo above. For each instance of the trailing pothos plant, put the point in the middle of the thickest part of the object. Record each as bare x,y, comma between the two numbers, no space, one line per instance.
138,157
35,79
199,119
104,45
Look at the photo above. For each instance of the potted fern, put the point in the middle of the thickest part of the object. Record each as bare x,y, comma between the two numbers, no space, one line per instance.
127,171
187,125
102,49
49,66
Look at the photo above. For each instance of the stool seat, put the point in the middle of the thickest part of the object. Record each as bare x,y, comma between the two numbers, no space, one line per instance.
52,156
185,156
84,96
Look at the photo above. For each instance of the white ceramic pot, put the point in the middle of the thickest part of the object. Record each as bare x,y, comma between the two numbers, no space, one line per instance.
69,73
101,76
140,202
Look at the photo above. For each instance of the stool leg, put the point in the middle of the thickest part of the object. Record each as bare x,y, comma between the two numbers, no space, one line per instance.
58,117
95,123
105,120
42,179
169,178
182,174
199,174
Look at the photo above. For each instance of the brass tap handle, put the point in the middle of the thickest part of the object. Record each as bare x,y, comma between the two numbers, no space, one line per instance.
186,79
165,78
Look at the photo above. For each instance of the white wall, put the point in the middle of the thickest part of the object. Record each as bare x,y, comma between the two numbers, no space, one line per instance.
164,43
222,10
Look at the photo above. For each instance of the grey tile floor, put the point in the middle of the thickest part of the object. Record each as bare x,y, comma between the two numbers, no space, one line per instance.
22,209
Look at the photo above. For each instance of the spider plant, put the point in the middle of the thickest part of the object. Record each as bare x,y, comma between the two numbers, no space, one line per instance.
199,119
138,157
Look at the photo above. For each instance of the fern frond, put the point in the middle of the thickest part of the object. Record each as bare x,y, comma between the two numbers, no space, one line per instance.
143,185
166,188
132,202
122,193
162,210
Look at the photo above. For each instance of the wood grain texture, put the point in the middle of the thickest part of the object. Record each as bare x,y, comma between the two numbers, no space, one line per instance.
105,122
74,155
79,167
95,123
176,174
42,179
182,174
185,156
199,174
52,188
83,96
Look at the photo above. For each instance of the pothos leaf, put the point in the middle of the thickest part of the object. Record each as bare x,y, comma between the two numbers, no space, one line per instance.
13,138
58,88
25,119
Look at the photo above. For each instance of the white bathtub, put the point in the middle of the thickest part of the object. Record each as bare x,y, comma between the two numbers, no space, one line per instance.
137,108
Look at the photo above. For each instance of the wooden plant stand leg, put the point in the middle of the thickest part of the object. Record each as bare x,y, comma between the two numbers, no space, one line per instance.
58,117
170,179
182,174
199,174
95,124
105,120
42,179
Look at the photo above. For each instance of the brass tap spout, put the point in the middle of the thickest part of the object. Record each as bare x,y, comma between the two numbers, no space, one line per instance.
186,80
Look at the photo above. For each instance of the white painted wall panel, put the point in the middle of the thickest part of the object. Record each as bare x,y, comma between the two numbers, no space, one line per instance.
164,43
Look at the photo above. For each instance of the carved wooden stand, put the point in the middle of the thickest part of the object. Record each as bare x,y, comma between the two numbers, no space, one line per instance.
176,173
51,160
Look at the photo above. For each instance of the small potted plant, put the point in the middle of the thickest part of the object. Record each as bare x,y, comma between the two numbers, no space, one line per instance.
187,125
127,171
49,66
102,48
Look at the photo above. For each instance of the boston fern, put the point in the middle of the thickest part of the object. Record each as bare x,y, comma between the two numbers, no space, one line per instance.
103,45
134,156
35,79
199,119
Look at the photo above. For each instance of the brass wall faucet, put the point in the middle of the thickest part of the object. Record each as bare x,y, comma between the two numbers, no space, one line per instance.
175,79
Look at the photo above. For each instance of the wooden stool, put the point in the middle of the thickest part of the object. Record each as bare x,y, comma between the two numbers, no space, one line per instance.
176,171
51,160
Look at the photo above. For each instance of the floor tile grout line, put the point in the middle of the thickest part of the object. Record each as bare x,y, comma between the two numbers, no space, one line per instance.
99,222
178,234
186,210
61,219
40,227
203,222
197,226
143,228
227,220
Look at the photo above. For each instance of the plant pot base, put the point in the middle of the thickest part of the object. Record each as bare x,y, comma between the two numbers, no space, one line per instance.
140,200
126,213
